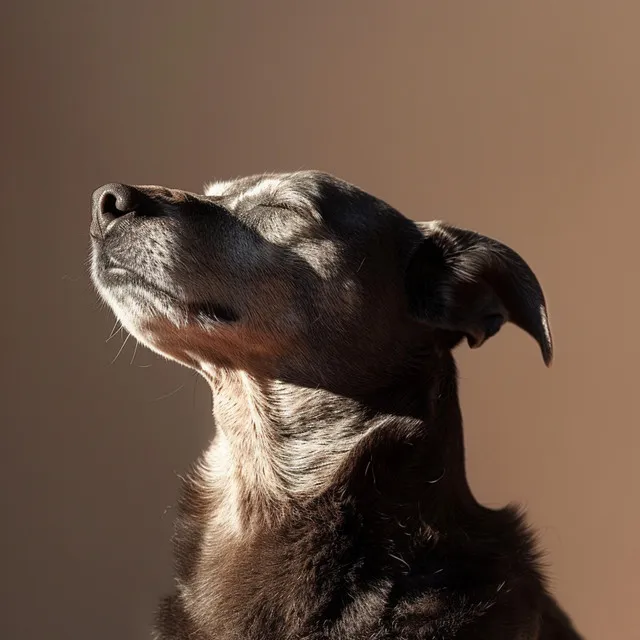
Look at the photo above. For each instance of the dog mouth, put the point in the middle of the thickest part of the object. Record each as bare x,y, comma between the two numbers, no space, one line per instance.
212,312
206,312
114,272
114,268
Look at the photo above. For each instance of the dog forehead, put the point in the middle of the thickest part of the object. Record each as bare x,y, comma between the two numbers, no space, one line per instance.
289,190
351,214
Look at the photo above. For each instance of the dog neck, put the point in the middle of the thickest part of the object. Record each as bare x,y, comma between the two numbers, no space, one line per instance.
279,445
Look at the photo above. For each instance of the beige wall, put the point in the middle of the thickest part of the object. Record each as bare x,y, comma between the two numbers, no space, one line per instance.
520,119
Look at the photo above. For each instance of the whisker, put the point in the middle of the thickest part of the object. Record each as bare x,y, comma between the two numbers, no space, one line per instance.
168,395
114,330
121,348
197,379
135,350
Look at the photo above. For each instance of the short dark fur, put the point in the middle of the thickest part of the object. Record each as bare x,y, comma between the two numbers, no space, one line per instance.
324,321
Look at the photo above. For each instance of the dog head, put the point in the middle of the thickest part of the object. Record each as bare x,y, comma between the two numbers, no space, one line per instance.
300,274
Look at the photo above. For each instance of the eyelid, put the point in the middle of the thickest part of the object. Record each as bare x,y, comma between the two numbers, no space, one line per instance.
304,213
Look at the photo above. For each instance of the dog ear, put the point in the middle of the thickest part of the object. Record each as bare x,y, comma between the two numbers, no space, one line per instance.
468,285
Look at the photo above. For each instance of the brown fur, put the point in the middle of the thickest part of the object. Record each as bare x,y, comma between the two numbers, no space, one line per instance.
333,502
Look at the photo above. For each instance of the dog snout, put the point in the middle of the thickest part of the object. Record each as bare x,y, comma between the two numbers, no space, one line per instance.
112,201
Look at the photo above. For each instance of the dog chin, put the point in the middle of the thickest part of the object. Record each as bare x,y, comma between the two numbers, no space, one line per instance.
157,320
149,320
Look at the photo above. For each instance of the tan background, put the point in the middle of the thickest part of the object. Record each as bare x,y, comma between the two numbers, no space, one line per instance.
520,119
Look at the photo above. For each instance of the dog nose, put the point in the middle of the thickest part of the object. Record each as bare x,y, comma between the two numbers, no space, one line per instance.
113,201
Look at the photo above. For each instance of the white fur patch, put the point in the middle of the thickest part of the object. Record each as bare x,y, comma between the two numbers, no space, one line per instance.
217,189
272,190
279,191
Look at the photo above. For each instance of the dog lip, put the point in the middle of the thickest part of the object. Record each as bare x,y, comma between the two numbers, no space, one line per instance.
209,311
113,265
118,220
99,234
213,312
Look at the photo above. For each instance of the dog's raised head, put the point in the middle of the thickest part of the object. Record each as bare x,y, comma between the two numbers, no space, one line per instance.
300,275
334,486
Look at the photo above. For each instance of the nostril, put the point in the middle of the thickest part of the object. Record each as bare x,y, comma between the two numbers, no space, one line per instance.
113,201
117,200
109,205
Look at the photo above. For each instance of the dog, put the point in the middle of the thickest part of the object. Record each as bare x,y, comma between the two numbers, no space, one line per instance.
332,503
